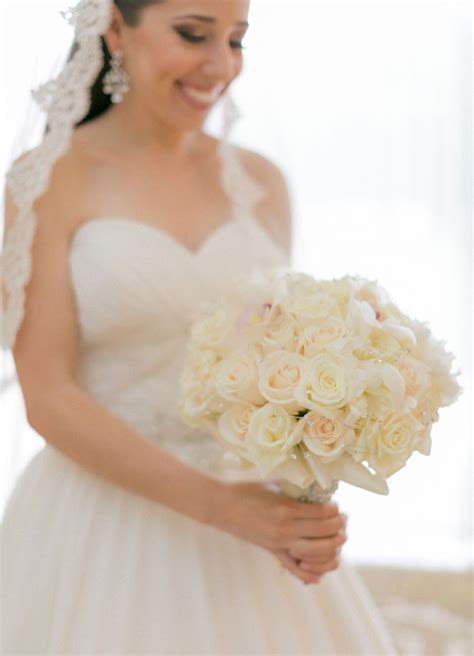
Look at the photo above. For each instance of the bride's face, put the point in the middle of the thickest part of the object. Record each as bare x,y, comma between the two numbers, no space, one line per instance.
181,56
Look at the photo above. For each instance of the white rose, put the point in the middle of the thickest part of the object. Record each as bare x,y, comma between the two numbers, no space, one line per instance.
233,427
211,330
297,282
280,334
237,378
252,314
198,394
280,375
316,337
195,405
308,308
391,445
329,382
268,437
200,365
322,435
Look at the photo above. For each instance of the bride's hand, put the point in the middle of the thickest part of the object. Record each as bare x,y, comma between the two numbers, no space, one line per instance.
301,535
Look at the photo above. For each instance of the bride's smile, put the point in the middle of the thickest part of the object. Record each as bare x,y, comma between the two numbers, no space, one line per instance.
201,99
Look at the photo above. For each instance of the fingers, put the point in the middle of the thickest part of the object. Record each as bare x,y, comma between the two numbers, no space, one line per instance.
285,526
308,537
316,550
292,566
311,528
319,569
304,510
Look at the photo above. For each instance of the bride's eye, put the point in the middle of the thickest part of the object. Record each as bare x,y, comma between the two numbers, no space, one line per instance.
194,38
188,36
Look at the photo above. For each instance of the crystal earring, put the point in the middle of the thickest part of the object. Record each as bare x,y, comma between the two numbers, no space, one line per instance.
115,81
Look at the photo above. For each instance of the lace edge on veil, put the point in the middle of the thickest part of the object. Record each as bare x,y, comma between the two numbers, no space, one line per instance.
65,99
244,190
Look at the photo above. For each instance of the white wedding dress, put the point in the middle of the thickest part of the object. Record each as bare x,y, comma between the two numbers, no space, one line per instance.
90,568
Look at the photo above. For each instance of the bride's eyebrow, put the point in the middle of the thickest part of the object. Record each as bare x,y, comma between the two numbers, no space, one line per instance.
210,19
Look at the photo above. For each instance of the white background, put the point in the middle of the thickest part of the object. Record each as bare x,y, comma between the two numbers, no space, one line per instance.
366,107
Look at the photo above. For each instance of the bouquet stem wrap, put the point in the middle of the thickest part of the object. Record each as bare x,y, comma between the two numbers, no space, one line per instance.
316,494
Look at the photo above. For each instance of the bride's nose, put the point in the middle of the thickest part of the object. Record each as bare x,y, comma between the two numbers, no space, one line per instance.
220,63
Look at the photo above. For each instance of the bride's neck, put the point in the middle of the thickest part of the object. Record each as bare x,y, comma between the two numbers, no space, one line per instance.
138,130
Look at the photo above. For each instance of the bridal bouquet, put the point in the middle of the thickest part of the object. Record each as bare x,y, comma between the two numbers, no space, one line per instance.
309,379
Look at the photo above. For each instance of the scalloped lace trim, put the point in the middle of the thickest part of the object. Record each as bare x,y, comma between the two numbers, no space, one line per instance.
244,191
65,100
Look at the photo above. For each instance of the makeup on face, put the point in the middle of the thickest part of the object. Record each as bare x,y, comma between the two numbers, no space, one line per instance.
188,31
189,28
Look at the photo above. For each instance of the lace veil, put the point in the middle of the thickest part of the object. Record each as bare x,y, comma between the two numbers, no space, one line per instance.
65,100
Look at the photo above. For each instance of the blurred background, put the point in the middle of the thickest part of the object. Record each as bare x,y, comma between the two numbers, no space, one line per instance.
367,108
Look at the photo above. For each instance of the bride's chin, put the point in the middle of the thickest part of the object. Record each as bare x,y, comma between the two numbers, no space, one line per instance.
178,120
184,124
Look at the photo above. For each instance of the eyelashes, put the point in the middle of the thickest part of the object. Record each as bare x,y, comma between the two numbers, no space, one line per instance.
193,38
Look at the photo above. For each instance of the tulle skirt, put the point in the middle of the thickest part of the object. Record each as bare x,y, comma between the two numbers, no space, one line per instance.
90,568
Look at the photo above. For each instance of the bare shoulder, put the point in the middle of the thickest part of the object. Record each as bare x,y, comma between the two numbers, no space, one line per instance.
275,211
262,167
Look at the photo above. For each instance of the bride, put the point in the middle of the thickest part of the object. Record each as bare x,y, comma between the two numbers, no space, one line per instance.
127,533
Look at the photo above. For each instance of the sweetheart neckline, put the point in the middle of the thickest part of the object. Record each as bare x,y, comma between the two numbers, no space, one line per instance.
191,253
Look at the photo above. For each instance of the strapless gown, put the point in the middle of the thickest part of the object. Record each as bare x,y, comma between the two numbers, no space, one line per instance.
90,568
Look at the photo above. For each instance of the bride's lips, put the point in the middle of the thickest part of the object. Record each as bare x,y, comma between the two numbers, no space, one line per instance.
199,97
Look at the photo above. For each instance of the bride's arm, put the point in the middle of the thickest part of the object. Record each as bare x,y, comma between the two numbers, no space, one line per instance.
45,354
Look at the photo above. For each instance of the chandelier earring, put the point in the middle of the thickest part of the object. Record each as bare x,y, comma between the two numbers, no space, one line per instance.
115,82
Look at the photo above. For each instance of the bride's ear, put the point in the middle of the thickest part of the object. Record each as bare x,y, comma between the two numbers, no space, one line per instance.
113,35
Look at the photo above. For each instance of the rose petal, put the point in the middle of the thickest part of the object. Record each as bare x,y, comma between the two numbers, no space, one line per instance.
395,382
346,469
